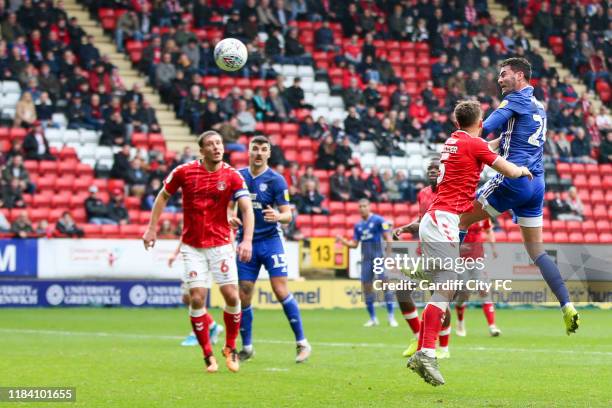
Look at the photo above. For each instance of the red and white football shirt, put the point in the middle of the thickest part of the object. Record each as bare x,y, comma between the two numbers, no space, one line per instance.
206,196
425,197
462,161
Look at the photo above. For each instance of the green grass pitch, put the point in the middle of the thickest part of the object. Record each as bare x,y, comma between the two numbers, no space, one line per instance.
132,358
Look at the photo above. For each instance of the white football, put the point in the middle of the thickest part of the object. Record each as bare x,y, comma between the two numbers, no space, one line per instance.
230,54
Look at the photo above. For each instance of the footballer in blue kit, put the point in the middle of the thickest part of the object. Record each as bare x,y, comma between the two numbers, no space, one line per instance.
373,231
522,119
268,189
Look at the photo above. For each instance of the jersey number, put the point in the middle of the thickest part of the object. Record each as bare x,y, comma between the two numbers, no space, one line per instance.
534,139
224,267
279,260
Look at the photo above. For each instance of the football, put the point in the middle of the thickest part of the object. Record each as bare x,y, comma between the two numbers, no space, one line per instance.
230,54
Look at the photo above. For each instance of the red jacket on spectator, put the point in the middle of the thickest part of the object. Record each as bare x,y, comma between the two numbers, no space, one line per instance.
95,80
346,79
419,111
62,34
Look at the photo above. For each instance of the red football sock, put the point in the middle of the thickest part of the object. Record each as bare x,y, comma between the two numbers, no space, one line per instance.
421,334
444,335
460,311
412,318
200,327
232,327
489,311
432,323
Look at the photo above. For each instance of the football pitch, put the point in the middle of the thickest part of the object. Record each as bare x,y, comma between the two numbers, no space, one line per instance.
132,358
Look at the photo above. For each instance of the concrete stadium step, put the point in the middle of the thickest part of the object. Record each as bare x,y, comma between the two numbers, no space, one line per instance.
499,12
176,133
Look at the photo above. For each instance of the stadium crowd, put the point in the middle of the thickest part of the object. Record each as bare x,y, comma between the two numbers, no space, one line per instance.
383,105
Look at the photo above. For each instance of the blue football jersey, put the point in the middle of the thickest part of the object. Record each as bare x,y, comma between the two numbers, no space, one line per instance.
267,189
370,233
522,119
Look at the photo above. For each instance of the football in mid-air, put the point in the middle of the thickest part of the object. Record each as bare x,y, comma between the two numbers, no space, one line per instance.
230,54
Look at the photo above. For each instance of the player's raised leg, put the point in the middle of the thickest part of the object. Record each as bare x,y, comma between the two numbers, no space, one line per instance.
532,237
292,312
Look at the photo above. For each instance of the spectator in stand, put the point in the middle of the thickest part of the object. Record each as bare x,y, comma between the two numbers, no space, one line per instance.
326,157
353,125
132,118
153,188
292,177
66,227
88,53
581,148
561,210
96,210
312,201
306,177
36,146
43,230
405,187
165,72
375,184
121,163
230,134
16,170
441,71
25,111
234,27
307,127
275,45
352,51
419,111
127,27
281,111
344,153
324,38
371,95
277,156
12,194
598,69
294,51
22,226
605,149
136,178
114,131
353,96
95,113
212,118
229,105
339,186
358,186
575,204
78,113
295,96
45,109
246,120
563,148
391,186
116,208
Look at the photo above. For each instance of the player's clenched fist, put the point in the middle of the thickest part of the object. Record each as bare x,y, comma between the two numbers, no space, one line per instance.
149,238
245,250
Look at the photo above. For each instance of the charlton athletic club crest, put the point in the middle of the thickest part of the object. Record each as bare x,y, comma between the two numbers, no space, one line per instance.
221,185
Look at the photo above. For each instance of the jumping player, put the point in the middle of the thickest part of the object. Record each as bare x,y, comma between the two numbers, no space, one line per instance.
425,197
523,120
473,248
267,189
372,232
463,157
208,187
215,329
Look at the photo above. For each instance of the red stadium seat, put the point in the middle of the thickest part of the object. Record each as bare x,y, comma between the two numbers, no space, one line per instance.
319,221
576,237
336,207
591,238
92,230
336,221
109,231
321,232
560,237
303,220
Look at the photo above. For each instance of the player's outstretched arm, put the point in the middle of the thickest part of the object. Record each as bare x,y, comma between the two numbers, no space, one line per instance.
494,144
412,228
150,235
351,243
245,248
511,170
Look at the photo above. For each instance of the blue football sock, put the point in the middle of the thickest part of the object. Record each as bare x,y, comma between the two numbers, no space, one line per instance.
292,311
552,276
462,234
369,301
390,302
246,326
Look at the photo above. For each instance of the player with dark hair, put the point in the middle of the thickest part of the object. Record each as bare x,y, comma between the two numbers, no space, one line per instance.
522,119
463,158
267,189
372,232
208,186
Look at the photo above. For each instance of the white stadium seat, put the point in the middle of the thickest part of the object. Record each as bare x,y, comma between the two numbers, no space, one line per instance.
289,70
305,71
54,135
320,87
72,136
104,152
11,87
367,147
89,136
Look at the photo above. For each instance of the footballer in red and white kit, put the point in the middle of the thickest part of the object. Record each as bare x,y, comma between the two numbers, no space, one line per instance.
463,158
208,186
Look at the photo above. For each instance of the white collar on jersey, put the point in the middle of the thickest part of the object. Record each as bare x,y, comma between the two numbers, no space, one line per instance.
263,172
